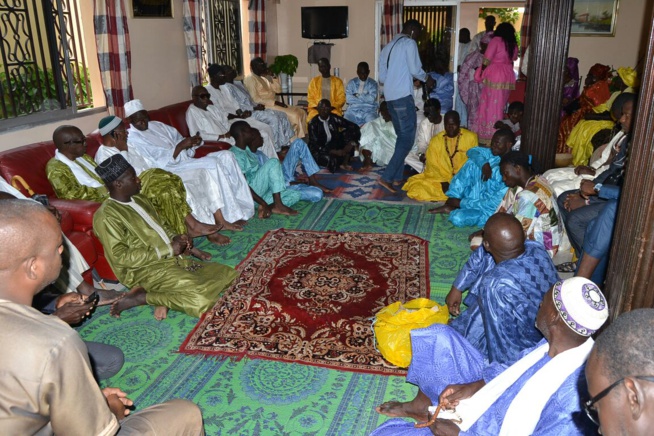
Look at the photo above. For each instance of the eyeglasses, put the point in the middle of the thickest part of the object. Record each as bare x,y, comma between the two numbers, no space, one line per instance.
202,95
588,405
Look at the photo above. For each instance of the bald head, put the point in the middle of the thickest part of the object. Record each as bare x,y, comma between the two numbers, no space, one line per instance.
504,237
29,233
62,134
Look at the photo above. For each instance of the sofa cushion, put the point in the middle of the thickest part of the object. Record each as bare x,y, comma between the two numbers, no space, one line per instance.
29,162
177,117
85,244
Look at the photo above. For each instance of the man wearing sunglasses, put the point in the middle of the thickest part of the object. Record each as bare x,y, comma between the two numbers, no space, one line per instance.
620,375
212,121
537,395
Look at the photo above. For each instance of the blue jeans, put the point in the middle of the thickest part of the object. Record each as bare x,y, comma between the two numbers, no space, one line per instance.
403,114
577,221
598,237
299,152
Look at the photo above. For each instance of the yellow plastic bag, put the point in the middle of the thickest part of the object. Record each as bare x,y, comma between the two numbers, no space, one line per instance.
394,323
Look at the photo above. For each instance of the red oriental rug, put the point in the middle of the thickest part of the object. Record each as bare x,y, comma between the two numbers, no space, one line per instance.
309,297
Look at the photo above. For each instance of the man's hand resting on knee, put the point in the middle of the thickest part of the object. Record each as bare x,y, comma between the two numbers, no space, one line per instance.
453,301
118,402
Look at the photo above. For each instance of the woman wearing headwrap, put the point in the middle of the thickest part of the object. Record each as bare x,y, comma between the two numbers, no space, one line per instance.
596,91
498,78
469,89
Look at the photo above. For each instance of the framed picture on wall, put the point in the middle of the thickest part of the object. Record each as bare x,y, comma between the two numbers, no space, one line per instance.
152,8
594,17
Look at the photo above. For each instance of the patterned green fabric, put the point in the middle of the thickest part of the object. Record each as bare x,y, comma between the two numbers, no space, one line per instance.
260,397
66,186
167,194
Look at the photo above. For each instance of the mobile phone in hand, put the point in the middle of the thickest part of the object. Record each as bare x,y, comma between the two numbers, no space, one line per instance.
94,298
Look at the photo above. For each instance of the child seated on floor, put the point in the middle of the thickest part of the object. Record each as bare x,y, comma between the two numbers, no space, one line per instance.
512,121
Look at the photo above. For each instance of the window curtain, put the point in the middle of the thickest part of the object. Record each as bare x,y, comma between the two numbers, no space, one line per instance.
193,13
257,28
391,20
525,32
114,55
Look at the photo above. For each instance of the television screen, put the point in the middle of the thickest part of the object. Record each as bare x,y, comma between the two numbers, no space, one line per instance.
324,22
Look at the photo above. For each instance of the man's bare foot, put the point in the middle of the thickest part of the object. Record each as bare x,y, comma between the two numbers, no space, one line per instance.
388,186
416,408
196,228
365,168
233,226
135,297
396,409
218,239
264,213
441,209
160,313
283,210
202,255
236,226
108,296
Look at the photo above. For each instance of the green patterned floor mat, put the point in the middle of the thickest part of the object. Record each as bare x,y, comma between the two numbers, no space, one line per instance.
260,397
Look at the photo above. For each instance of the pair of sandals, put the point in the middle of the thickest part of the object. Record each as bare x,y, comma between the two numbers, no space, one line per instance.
567,267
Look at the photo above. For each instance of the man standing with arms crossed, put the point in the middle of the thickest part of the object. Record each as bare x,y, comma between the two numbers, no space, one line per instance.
399,65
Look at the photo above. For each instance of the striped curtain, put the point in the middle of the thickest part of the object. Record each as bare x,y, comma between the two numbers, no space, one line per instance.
391,20
193,13
114,55
257,28
525,31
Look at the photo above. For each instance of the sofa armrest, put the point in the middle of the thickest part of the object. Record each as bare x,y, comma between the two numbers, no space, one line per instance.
81,211
210,147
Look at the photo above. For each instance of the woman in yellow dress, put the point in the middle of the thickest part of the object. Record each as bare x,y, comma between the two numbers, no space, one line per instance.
445,156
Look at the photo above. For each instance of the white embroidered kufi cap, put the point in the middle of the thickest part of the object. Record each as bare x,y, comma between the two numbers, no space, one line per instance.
581,304
108,124
132,107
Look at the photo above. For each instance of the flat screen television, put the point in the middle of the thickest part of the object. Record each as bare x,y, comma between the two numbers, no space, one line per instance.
324,22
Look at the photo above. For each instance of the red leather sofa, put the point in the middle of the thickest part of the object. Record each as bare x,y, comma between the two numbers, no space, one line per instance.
29,161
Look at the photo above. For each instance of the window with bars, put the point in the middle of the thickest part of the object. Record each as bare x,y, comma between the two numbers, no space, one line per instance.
43,67
223,33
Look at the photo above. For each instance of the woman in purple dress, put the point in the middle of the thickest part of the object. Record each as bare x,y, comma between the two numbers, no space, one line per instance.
469,89
498,79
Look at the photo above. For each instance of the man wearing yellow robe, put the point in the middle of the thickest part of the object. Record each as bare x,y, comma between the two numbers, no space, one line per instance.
445,156
144,252
326,87
263,89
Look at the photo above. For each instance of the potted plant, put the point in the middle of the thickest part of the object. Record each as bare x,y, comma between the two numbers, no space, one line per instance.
285,66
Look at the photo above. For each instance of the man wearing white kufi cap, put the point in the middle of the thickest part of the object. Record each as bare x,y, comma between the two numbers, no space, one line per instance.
537,395
217,190
163,189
